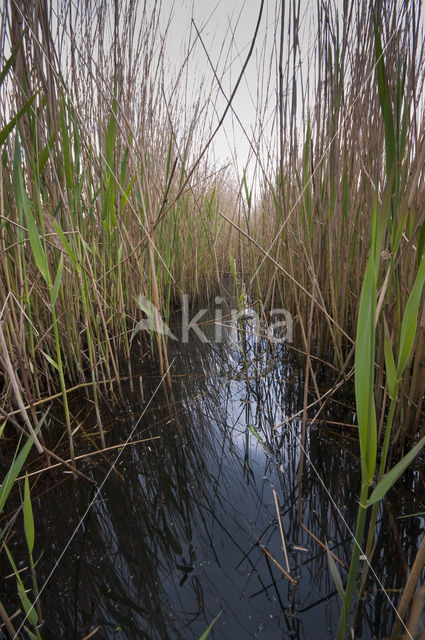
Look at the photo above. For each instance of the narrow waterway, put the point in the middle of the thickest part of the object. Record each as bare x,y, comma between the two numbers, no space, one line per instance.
186,527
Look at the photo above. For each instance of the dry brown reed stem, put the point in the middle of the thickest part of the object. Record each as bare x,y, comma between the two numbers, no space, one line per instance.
308,368
282,537
323,545
141,157
49,454
57,396
269,555
414,624
189,174
409,589
91,634
89,455
323,399
123,114
162,352
7,622
357,108
286,273
16,391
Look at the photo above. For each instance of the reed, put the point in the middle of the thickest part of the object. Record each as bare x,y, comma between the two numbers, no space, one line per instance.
96,211
110,192
324,221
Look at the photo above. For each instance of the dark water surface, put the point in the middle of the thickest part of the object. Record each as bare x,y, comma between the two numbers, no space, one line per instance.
173,537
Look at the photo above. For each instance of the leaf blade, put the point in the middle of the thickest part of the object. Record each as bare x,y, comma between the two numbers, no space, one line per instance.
210,626
28,516
390,478
410,319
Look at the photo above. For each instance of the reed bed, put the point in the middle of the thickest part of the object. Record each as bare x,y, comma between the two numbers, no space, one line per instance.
110,191
97,208
358,146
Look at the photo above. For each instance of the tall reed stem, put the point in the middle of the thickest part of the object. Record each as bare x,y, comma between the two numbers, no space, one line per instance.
354,564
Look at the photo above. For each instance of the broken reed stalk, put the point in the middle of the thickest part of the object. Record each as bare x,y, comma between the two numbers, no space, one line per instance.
91,454
70,464
17,394
285,573
323,545
7,622
282,537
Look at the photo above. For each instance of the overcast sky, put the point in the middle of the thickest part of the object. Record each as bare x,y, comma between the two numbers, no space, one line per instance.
226,32
226,29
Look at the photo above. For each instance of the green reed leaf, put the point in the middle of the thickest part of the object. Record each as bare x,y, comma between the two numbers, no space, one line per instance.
390,364
28,607
385,102
36,245
26,604
335,574
5,132
10,61
16,466
44,154
410,319
209,629
260,440
420,244
30,634
57,283
66,148
390,478
364,372
125,196
66,245
50,360
28,516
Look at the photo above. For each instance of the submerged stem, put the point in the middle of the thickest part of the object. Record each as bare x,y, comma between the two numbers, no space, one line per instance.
354,564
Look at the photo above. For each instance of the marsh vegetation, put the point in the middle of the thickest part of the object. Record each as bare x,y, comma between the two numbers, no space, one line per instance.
112,195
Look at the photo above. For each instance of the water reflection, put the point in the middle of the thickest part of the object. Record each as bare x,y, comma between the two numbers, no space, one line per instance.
173,538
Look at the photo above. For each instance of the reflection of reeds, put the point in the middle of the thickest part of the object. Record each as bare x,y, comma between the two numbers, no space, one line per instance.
177,494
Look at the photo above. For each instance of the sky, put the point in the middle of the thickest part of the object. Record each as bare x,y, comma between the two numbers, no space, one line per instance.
217,34
226,31
214,36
